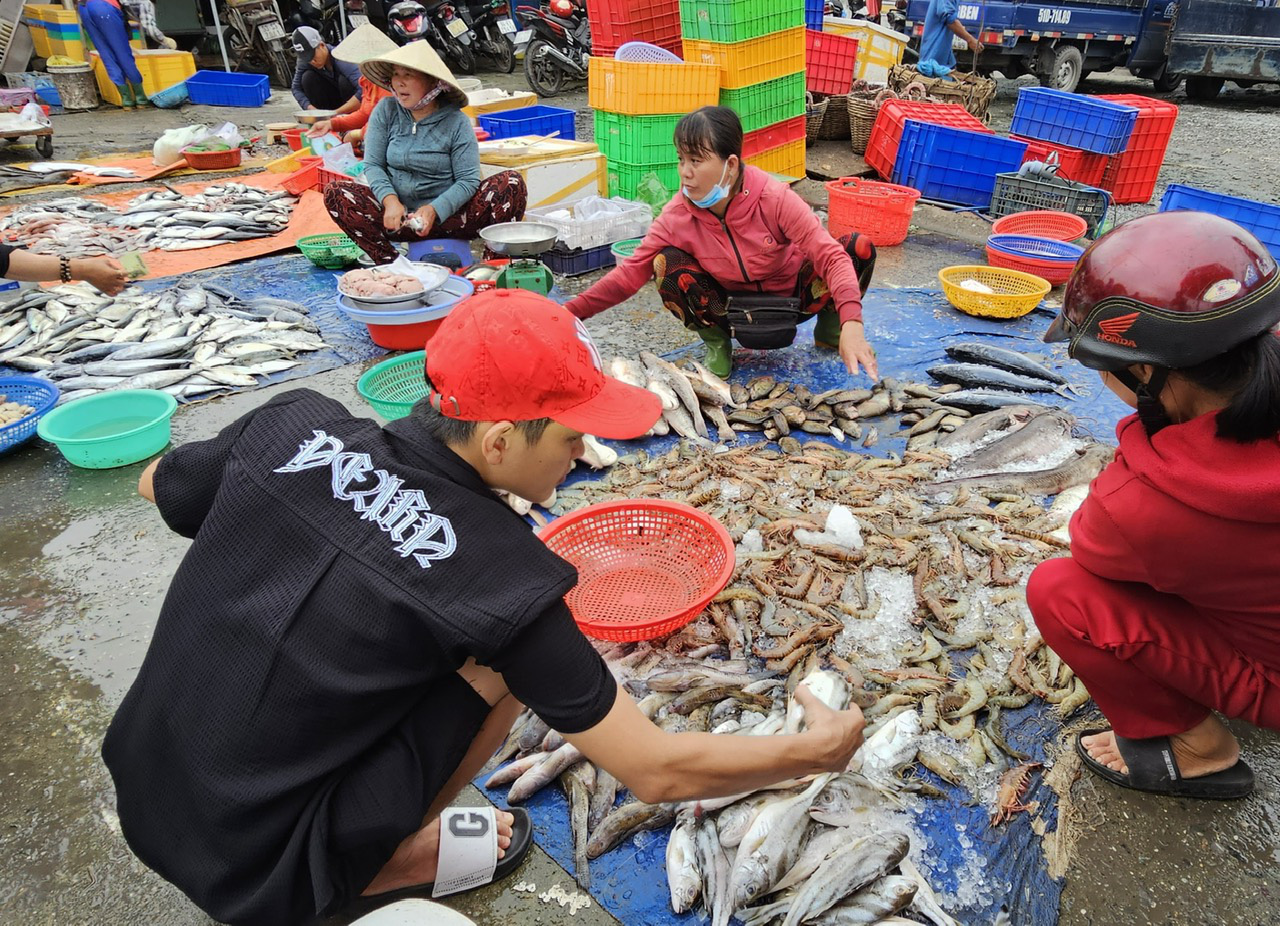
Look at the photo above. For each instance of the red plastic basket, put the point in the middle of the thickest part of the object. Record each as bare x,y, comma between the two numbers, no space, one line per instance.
829,62
645,567
1131,175
293,138
304,178
881,211
1054,271
213,160
886,133
324,177
1073,164
1042,223
772,136
404,337
616,22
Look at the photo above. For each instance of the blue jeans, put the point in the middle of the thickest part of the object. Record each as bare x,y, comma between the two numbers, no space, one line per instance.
105,25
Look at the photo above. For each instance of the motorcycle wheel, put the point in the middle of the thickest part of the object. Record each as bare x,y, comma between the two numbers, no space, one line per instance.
543,74
282,67
463,55
505,56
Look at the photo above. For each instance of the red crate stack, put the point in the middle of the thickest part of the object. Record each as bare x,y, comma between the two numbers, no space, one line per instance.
616,22
1073,164
1131,175
882,149
829,62
772,136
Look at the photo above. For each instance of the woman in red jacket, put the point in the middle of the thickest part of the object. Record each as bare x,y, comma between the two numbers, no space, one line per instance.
736,232
1169,606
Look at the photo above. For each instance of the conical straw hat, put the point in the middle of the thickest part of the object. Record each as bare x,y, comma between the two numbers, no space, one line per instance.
416,55
363,43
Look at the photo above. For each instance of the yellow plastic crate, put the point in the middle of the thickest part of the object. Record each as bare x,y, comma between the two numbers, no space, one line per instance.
879,49
744,63
69,48
643,89
40,41
290,162
160,70
787,159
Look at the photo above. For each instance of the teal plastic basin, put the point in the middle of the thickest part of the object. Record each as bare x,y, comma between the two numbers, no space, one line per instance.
111,428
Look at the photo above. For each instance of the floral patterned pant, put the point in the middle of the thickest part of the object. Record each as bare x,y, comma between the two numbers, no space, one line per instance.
501,198
698,299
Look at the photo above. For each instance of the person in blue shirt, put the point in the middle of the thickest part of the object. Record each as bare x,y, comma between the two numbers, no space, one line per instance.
940,23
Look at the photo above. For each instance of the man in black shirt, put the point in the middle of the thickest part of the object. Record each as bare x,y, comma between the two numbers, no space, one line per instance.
320,80
359,620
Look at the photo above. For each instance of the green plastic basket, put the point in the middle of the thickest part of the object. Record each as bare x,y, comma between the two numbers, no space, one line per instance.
394,385
624,249
331,252
625,179
737,20
636,139
768,102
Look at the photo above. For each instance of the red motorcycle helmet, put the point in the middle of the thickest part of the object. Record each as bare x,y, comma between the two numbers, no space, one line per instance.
563,8
408,20
1171,289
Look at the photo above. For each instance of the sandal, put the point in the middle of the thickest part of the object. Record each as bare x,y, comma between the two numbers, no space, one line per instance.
468,854
1152,768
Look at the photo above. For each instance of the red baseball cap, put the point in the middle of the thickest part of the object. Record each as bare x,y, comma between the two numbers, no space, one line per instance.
513,355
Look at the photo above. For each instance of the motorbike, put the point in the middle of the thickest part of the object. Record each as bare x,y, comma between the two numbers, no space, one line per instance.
896,18
559,49
256,39
450,35
325,17
491,23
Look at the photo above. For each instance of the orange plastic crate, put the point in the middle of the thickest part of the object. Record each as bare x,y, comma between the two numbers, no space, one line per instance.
1073,164
787,159
643,89
744,63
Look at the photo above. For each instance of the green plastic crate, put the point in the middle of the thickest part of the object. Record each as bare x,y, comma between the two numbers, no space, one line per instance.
763,104
625,179
737,20
636,139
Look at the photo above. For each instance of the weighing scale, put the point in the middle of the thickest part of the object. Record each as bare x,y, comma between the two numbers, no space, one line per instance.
522,242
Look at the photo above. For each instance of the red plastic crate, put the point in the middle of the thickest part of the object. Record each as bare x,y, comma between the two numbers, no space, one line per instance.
616,22
1073,164
772,136
829,62
1131,175
882,149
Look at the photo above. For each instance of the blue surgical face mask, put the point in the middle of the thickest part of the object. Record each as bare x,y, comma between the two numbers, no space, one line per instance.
718,192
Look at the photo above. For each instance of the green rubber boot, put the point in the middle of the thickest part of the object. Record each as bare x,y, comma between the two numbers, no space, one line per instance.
126,96
719,350
140,95
826,330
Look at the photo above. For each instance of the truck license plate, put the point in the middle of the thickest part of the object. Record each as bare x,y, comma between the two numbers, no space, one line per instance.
506,26
457,27
271,31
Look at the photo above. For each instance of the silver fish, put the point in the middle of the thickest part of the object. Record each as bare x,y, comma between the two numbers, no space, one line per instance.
578,783
625,821
844,873
683,878
541,775
1078,470
1041,436
872,904
989,425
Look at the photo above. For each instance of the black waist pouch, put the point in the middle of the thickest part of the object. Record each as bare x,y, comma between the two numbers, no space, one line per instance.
763,321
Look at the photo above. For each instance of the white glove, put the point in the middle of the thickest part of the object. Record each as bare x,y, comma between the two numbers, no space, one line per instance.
169,43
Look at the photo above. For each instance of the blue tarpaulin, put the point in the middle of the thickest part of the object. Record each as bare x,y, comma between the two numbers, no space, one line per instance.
909,329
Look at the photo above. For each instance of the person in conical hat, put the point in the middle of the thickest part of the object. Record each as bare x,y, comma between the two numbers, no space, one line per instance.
422,162
364,42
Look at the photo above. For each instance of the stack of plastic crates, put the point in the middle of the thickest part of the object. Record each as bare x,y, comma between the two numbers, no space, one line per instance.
758,48
637,105
954,165
586,236
891,121
1084,122
1131,175
616,22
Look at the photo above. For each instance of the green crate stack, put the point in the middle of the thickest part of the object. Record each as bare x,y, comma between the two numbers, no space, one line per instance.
769,102
636,147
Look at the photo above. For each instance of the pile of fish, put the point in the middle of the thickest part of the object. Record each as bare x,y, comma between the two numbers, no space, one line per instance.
12,411
160,219
189,340
902,578
994,377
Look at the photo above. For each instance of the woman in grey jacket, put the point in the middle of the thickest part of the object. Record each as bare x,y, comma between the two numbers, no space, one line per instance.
422,163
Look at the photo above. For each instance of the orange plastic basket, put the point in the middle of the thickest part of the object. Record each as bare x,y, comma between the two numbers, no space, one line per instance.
645,568
881,211
754,61
644,89
1042,223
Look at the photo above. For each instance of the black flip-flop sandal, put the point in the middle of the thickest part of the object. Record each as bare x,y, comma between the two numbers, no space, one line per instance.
1153,768
465,828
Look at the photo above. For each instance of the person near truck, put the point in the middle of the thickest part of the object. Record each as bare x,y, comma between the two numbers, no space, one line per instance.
364,42
321,81
735,231
941,22
336,658
1168,608
104,21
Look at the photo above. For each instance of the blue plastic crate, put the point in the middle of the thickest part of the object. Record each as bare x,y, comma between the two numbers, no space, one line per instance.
1073,119
570,262
216,88
529,120
170,97
954,165
814,11
1261,219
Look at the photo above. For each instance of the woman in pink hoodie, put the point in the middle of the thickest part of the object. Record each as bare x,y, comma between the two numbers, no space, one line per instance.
1168,608
734,231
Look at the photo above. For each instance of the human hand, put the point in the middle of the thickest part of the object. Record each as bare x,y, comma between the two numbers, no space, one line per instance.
393,214
855,350
169,43
836,735
974,45
354,137
320,129
423,221
105,273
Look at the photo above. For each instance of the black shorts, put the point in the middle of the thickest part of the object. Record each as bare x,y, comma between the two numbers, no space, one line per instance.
383,797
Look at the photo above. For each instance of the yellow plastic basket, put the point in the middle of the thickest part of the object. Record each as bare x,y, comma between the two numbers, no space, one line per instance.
636,88
1015,293
787,159
744,63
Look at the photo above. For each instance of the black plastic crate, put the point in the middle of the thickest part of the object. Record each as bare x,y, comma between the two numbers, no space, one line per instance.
572,262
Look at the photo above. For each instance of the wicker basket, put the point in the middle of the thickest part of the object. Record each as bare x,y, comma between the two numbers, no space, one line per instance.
814,113
835,122
971,91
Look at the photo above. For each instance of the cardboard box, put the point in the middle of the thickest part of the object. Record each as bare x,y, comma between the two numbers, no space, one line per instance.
492,100
560,180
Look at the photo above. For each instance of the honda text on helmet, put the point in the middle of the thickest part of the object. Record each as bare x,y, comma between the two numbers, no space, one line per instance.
409,20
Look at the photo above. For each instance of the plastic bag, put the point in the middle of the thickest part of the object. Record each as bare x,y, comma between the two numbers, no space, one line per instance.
597,207
33,113
340,159
168,147
227,132
652,193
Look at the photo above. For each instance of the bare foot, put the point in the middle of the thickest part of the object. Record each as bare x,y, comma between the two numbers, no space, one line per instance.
414,861
1206,748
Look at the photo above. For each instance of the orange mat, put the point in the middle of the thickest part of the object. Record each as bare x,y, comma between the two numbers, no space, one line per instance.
147,170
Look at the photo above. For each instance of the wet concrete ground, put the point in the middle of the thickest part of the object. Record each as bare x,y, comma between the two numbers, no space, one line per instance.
86,563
